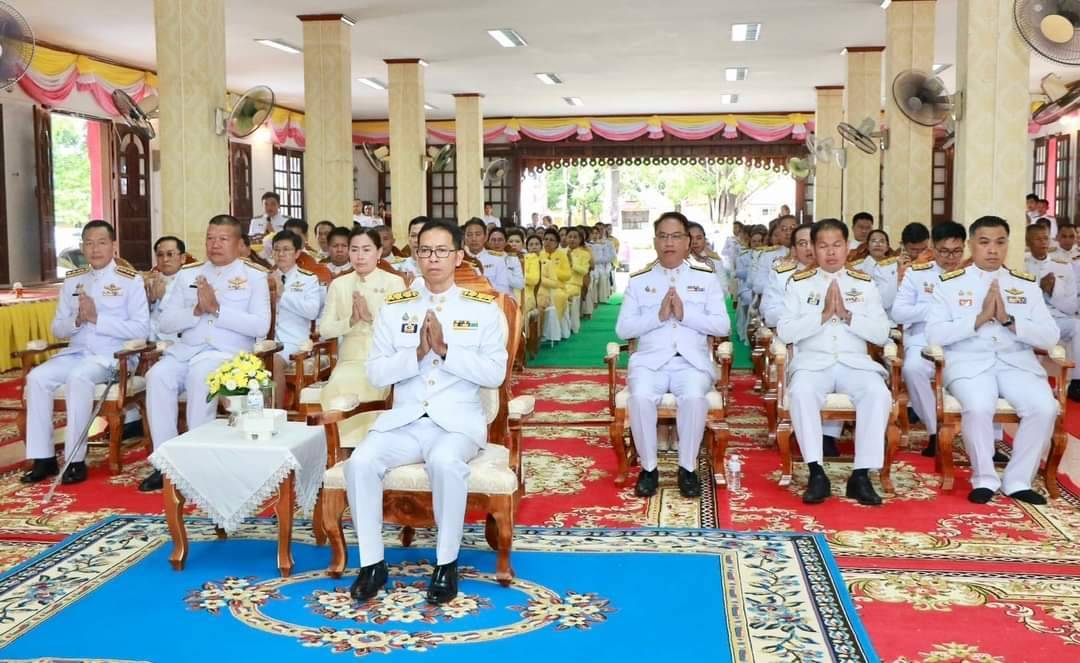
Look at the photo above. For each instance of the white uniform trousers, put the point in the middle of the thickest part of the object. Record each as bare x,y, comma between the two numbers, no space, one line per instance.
1030,395
446,459
647,387
603,285
574,308
1070,338
552,328
170,377
918,373
872,403
78,373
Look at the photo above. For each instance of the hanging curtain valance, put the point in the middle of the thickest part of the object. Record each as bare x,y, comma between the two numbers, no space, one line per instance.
55,75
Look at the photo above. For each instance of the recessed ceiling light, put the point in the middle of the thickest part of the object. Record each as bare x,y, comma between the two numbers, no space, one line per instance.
347,20
573,101
736,73
729,98
745,31
280,45
507,37
885,4
938,68
549,79
372,83
428,106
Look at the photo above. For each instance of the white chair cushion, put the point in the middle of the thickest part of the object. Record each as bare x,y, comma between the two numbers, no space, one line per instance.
952,405
489,398
714,398
833,402
490,474
135,385
311,394
522,406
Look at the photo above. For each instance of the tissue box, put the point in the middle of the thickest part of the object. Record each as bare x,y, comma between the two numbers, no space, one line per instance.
262,426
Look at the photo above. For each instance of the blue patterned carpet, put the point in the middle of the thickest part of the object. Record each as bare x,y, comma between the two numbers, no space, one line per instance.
108,593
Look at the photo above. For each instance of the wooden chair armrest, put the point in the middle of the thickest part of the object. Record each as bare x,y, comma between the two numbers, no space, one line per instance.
129,353
332,417
19,354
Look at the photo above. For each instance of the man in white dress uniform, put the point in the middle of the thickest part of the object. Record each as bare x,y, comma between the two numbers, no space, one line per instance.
495,269
989,319
437,345
671,307
1057,280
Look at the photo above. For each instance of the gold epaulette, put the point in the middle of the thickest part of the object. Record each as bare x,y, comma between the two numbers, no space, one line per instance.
712,254
197,263
888,261
305,272
920,266
347,271
1060,261
77,272
951,275
475,296
785,267
702,267
403,296
644,270
856,274
805,274
255,265
498,253
1023,275
126,272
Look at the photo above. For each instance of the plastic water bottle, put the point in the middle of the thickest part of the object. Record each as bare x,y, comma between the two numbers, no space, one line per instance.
254,398
734,473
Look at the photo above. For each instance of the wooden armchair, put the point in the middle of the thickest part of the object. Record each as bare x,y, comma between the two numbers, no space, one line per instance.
716,427
949,417
838,407
496,482
129,390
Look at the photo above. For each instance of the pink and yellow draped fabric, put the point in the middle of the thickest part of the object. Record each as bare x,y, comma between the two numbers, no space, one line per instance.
54,75
764,128
285,125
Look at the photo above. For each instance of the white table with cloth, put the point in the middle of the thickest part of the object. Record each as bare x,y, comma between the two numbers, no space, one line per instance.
230,477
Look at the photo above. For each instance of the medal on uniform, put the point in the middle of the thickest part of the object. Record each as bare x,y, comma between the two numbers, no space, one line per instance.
853,296
967,298
112,290
238,283
814,299
1014,296
694,288
466,325
928,288
408,328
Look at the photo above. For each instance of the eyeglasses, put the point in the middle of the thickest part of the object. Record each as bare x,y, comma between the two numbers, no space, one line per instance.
950,253
440,252
167,254
673,237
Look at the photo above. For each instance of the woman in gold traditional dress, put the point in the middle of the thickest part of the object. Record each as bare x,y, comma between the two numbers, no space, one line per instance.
580,262
554,275
352,302
532,270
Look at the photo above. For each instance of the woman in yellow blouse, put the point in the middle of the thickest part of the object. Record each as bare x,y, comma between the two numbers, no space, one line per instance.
554,277
352,302
580,261
532,271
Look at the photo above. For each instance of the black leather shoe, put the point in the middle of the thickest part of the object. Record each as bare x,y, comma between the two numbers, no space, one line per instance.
931,447
1029,496
133,429
152,483
980,495
1000,458
860,489
912,417
818,489
828,446
75,473
42,469
1073,391
369,581
689,483
443,587
647,483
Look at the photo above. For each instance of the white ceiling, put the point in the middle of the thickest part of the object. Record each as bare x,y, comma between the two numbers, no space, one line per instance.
618,56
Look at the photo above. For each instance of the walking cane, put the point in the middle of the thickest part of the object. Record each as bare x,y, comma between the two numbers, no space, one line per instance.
83,440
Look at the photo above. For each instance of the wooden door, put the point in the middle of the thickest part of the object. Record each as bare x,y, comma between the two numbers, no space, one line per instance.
240,181
133,196
44,192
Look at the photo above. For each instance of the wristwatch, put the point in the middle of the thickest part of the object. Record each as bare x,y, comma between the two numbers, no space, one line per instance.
1009,321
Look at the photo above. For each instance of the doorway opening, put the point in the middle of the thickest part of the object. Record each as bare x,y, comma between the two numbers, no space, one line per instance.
82,183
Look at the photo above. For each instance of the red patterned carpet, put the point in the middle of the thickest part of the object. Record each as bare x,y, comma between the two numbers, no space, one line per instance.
938,579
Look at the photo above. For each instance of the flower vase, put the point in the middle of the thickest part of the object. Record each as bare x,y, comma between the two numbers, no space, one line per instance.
235,406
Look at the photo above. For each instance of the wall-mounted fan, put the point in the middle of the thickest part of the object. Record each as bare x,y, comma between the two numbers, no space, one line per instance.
800,168
378,159
439,157
249,113
1050,27
136,115
824,151
923,99
494,171
1062,99
863,135
16,46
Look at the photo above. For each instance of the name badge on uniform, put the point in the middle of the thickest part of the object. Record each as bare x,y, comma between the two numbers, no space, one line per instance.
466,325
853,296
239,283
297,286
928,288
112,290
650,289
967,298
814,299
408,328
694,288
1014,296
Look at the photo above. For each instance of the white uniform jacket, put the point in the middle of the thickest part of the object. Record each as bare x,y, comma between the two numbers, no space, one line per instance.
122,313
1062,299
911,308
301,302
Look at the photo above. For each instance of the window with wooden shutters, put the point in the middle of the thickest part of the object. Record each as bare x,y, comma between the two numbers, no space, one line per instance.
1063,181
941,193
289,181
804,199
1038,182
442,194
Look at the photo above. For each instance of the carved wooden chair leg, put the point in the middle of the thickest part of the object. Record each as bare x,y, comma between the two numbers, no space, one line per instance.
945,437
617,431
318,526
1057,450
721,434
892,436
333,506
116,437
491,532
783,440
504,522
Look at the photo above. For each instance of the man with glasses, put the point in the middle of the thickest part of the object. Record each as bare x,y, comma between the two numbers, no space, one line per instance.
437,345
218,308
299,302
169,255
911,307
671,307
101,306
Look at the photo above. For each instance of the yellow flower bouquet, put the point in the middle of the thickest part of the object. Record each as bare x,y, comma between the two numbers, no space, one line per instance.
232,377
